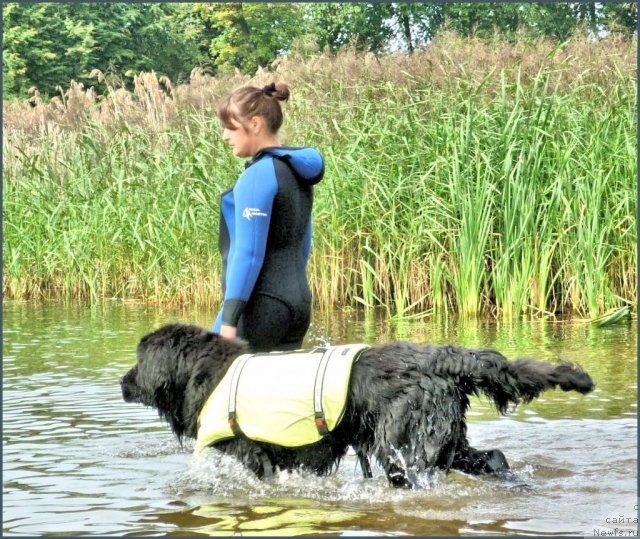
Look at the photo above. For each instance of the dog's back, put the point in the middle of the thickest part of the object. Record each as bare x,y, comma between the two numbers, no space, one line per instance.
401,368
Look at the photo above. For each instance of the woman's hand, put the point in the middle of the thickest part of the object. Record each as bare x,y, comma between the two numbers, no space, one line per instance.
228,332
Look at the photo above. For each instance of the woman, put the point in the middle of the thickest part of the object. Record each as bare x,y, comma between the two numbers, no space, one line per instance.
265,225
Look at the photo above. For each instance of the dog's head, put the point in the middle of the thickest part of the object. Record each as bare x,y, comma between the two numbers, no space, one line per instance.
178,367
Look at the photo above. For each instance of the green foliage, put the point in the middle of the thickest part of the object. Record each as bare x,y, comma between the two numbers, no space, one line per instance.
484,20
416,23
167,39
42,40
47,45
359,24
553,19
621,17
250,35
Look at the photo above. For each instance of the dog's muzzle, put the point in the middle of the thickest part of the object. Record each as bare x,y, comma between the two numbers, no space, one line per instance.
129,387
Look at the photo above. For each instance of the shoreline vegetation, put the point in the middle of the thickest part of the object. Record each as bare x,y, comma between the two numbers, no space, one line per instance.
472,178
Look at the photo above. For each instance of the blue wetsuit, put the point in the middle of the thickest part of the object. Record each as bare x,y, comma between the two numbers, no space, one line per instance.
265,241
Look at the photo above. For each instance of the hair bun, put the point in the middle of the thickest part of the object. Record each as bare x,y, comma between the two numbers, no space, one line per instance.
269,89
279,91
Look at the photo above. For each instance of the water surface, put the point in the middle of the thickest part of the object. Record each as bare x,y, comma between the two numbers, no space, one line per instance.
77,460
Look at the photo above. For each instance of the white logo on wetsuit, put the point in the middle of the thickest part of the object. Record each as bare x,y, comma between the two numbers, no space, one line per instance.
248,213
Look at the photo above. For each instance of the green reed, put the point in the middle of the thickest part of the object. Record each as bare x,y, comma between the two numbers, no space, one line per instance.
502,192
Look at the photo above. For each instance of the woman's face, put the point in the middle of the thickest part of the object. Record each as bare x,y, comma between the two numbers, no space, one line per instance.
241,140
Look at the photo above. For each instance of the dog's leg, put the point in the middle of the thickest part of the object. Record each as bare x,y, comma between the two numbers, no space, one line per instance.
250,454
267,467
364,464
397,476
395,467
403,458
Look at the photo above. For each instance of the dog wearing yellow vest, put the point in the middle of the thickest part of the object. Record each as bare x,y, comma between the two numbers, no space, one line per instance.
402,404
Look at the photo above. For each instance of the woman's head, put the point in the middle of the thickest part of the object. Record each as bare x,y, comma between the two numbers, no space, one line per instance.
246,102
251,117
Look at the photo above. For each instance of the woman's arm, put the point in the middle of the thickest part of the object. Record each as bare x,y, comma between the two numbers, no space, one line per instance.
253,199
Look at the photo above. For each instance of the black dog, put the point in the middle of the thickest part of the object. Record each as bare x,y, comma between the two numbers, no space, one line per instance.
406,403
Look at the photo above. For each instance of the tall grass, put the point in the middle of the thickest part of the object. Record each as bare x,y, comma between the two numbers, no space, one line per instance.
502,183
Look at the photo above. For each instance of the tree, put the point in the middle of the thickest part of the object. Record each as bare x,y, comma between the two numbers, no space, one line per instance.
555,19
249,35
621,18
47,45
43,46
416,23
335,25
167,38
484,20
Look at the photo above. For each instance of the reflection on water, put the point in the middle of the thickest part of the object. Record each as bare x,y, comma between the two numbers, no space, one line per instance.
77,460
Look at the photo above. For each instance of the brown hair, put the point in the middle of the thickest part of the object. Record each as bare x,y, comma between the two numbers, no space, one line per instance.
249,101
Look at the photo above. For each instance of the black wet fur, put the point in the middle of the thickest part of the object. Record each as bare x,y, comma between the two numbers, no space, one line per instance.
406,405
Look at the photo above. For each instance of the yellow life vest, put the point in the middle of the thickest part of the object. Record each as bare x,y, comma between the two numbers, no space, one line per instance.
284,398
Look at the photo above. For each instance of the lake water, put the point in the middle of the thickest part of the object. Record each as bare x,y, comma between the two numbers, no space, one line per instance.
77,460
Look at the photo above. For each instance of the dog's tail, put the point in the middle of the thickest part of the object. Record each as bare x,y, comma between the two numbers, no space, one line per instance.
523,380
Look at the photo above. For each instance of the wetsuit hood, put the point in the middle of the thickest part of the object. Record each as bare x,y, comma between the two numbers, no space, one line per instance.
306,162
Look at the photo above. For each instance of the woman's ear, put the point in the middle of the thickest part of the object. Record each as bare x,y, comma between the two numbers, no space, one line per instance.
256,125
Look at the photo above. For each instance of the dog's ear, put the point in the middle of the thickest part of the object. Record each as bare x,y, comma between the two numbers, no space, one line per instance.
204,378
167,356
211,367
